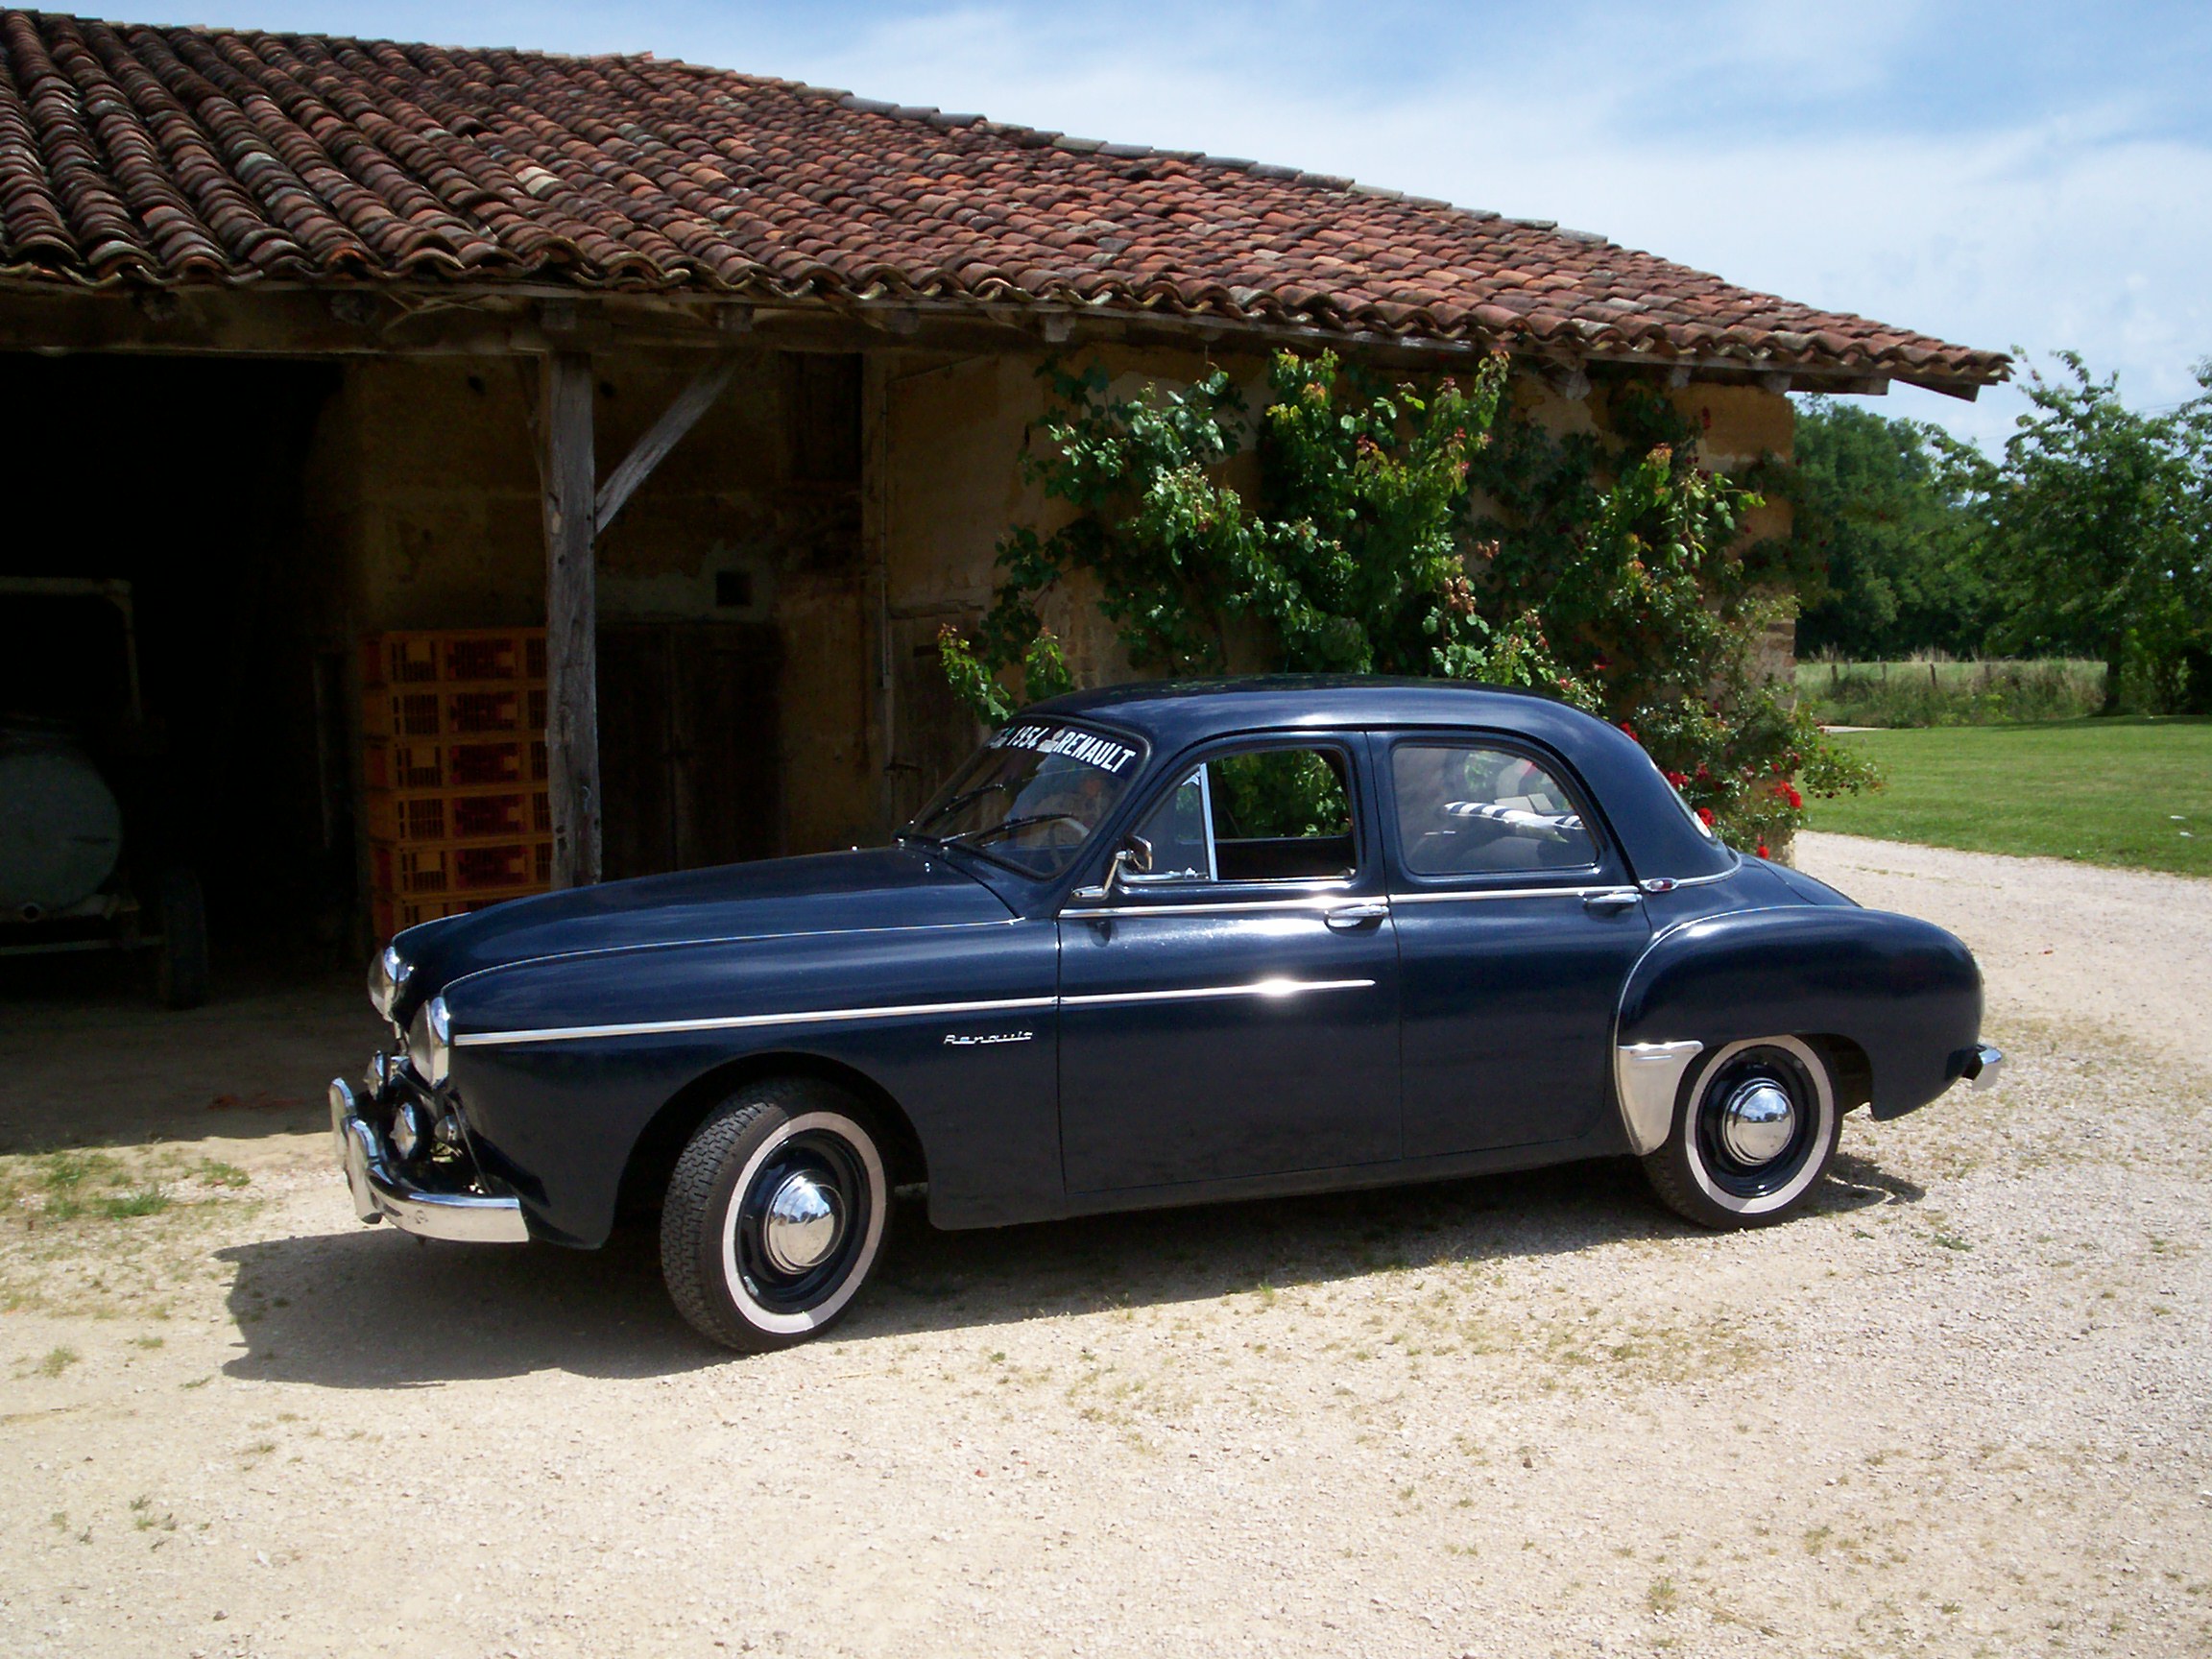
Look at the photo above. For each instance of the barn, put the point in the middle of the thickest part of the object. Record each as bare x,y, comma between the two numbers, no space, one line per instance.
689,400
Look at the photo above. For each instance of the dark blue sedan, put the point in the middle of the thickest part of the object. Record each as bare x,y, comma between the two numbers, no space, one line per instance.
1153,945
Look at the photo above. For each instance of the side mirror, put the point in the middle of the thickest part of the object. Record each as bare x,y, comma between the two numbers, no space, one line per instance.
1133,858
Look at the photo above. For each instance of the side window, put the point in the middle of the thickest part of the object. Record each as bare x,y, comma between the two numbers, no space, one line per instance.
1258,815
1464,810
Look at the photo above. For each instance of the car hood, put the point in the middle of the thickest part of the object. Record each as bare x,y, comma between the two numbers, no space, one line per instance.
831,892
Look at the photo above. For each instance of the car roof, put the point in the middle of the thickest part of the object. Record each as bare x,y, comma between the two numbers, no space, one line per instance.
1173,715
1172,712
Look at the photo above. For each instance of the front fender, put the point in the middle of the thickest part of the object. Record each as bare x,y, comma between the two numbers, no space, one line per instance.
1905,992
562,1062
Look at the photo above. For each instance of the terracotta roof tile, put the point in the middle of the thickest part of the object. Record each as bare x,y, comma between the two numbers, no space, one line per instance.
175,155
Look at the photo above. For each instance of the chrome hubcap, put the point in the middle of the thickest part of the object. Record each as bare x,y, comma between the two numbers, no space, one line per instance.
799,1228
1757,1124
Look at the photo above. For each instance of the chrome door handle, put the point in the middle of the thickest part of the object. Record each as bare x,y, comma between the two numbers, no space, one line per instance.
1347,917
1618,898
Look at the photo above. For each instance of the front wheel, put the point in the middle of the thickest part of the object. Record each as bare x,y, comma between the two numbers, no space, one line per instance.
774,1214
1753,1133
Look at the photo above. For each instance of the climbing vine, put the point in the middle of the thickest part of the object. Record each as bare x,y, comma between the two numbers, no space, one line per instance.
1416,529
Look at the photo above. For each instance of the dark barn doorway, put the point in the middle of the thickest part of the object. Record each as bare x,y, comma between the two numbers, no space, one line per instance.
183,478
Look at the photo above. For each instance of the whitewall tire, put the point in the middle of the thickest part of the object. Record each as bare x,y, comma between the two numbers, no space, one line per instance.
1754,1130
774,1214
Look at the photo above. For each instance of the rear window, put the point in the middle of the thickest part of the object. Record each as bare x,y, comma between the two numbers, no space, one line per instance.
1467,809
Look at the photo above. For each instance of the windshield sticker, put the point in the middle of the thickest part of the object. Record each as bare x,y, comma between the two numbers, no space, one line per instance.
1071,742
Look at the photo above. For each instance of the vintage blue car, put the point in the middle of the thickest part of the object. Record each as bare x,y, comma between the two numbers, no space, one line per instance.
1161,944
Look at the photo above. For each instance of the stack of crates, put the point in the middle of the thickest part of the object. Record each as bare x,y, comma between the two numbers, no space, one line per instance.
453,746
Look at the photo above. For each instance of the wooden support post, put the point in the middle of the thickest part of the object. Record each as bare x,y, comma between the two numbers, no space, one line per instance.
575,512
566,470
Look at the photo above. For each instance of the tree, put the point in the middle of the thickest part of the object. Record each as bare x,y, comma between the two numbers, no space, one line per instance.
1612,576
2093,527
1874,504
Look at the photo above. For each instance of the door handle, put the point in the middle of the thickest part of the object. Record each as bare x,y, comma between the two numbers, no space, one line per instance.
1348,918
1607,902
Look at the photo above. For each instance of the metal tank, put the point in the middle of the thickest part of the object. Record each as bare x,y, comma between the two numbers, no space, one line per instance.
61,828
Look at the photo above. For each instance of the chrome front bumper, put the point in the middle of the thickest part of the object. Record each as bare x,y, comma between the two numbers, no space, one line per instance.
380,1191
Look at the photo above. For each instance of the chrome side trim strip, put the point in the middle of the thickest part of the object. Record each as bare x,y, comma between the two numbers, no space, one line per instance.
1321,900
1196,993
1462,896
1649,1075
742,1021
901,1011
1675,883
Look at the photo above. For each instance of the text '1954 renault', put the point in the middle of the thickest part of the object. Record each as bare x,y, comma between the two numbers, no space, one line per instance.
1154,944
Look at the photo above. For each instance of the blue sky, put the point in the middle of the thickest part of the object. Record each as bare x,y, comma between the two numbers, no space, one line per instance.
1997,174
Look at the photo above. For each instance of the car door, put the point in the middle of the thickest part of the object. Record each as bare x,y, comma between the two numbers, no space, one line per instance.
1516,925
1233,1012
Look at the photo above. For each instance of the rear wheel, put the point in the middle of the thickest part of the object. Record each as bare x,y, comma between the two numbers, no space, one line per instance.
1753,1133
774,1214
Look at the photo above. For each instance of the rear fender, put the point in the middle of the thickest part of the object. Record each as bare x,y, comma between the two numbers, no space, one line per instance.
1906,993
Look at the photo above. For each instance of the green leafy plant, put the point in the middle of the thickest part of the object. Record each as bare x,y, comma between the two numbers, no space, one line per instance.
1417,529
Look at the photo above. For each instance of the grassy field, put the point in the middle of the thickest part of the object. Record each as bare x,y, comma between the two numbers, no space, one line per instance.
1947,693
2130,791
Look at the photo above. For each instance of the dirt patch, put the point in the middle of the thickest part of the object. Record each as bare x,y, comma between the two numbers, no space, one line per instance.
1958,1409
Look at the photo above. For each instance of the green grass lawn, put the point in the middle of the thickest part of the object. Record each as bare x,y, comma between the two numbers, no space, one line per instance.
2131,791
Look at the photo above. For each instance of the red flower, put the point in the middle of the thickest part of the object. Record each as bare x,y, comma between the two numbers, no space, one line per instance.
1678,778
1796,801
1705,816
1630,730
1762,849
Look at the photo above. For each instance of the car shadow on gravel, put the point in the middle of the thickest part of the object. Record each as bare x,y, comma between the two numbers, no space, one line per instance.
376,1309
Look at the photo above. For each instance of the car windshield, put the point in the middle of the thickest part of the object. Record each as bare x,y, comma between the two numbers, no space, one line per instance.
1032,795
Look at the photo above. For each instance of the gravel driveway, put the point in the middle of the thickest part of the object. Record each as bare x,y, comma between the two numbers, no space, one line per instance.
1960,1408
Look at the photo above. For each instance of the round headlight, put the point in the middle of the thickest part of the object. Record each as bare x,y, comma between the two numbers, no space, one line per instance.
430,1040
386,979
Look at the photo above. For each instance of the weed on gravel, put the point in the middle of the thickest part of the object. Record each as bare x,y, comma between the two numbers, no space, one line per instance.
108,1232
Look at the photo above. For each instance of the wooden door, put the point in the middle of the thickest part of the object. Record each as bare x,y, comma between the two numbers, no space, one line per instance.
689,752
932,731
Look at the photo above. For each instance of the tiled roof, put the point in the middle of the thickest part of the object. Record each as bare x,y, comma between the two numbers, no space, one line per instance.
170,155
